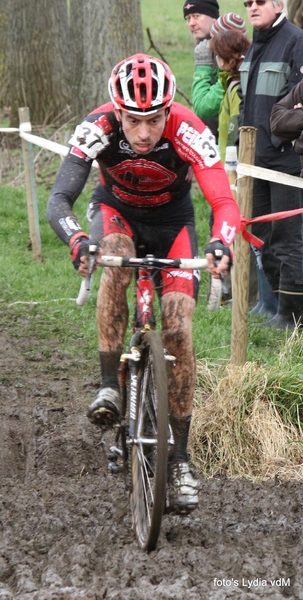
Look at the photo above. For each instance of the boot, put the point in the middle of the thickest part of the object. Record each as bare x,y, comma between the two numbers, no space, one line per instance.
267,305
290,311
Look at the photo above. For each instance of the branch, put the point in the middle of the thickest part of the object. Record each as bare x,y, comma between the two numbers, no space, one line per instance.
152,45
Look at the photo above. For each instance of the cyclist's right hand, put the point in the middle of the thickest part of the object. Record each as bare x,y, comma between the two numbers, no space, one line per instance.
79,245
219,257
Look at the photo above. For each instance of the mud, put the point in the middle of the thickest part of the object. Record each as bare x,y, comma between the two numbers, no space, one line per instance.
65,521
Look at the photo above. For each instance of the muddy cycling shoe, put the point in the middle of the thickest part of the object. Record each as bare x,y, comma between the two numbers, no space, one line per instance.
105,410
183,488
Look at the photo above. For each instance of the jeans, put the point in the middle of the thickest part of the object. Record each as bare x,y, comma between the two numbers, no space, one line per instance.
282,252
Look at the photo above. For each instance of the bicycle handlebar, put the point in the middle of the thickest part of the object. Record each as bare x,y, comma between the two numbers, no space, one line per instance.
151,261
147,261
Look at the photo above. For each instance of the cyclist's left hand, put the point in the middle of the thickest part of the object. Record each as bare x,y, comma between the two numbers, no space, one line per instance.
219,258
79,251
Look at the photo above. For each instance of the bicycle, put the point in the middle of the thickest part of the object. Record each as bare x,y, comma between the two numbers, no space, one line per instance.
143,435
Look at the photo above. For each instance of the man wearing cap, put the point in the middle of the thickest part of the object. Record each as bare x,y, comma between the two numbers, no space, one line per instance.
207,91
202,17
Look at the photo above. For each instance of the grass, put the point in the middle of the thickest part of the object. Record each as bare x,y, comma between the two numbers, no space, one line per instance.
247,420
251,423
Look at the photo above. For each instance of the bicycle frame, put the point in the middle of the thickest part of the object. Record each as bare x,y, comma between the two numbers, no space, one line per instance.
147,428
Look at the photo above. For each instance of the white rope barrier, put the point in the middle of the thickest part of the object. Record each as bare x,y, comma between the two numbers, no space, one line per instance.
9,129
244,170
36,302
44,143
39,141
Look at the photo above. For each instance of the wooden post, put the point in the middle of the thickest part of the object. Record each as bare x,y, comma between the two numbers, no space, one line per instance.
242,253
32,205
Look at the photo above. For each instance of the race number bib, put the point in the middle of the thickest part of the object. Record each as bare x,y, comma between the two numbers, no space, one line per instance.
204,144
90,138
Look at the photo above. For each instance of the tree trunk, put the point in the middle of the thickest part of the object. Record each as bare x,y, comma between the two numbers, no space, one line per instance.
102,33
295,12
38,59
61,53
3,52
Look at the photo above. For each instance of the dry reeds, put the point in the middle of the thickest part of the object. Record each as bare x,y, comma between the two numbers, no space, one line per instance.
247,421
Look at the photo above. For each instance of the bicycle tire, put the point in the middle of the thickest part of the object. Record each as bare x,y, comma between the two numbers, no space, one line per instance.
149,461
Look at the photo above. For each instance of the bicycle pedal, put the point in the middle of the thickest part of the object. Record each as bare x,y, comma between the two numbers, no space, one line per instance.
114,453
113,467
112,457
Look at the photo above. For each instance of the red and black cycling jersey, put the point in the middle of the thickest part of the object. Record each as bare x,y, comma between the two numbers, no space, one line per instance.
162,177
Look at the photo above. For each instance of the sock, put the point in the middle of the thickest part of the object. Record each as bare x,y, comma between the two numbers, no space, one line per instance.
109,363
180,427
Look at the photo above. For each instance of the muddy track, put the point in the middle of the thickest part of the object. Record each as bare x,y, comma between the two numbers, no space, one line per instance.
65,519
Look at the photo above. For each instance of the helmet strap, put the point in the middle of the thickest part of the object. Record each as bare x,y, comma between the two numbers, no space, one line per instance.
118,115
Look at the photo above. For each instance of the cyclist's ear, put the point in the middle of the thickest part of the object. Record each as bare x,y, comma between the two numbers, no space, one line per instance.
118,115
167,113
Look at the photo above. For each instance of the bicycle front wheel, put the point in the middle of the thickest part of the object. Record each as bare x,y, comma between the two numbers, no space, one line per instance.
149,452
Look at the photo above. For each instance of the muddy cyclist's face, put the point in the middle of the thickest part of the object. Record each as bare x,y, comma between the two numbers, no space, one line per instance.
143,132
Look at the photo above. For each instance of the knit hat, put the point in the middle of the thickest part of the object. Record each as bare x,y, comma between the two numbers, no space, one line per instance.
227,22
202,7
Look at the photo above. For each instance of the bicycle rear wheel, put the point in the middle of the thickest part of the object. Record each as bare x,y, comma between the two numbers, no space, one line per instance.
149,452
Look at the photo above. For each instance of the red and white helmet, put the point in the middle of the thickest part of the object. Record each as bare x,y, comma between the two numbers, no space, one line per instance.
141,85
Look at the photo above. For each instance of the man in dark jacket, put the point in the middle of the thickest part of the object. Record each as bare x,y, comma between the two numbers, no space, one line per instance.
286,120
272,66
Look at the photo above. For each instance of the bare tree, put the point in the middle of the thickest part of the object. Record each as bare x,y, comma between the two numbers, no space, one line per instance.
3,52
295,12
38,58
60,53
102,33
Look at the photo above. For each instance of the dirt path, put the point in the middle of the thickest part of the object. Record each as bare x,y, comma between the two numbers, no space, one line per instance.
65,520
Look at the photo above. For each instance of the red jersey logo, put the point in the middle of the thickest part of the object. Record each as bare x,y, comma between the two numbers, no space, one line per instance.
142,175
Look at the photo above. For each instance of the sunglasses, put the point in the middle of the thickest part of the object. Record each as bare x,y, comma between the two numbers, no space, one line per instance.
249,3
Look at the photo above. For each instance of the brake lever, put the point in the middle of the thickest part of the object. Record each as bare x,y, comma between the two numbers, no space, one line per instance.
92,255
85,286
215,290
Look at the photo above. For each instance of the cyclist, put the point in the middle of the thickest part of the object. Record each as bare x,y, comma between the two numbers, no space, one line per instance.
147,149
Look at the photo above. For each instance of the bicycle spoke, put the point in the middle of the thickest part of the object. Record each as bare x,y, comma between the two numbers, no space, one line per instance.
149,453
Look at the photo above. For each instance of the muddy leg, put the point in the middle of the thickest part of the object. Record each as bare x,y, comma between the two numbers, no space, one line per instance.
112,318
177,313
112,307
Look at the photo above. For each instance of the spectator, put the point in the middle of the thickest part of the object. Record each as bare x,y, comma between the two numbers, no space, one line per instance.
207,91
286,120
272,67
230,29
229,46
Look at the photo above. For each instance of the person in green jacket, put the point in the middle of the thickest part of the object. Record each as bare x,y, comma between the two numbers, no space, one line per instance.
202,17
229,47
207,91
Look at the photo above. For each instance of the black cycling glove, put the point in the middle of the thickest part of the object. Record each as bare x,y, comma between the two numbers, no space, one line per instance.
79,248
218,249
